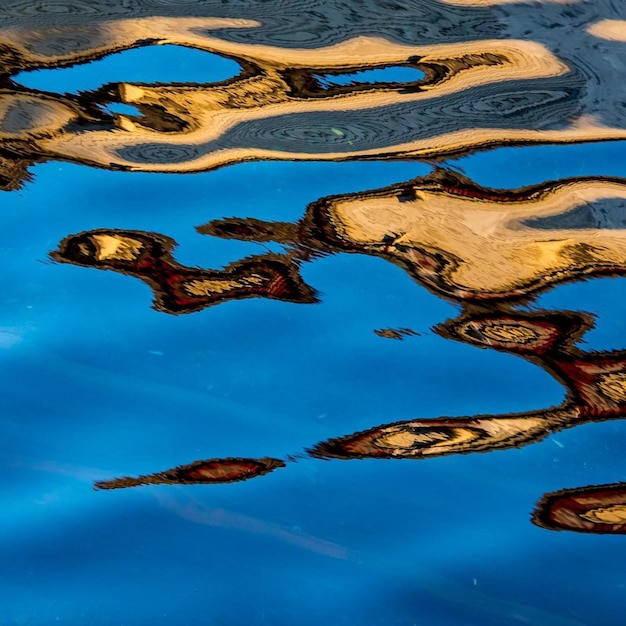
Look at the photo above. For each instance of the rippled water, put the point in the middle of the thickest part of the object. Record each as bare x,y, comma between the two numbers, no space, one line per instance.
412,216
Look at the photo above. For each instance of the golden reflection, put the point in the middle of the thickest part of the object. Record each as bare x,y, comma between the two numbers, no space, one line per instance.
464,241
596,384
113,247
416,439
181,289
486,73
613,30
476,93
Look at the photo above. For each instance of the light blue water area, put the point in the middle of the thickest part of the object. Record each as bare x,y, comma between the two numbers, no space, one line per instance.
150,64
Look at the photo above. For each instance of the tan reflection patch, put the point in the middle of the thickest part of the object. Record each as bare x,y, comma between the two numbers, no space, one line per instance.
210,287
615,514
116,247
613,30
510,333
492,248
614,386
408,439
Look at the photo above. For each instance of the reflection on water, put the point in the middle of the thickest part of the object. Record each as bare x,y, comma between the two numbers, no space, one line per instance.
473,89
324,80
179,289
599,509
461,240
513,242
207,472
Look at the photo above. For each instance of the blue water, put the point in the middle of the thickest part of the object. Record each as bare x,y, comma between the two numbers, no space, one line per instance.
96,384
163,63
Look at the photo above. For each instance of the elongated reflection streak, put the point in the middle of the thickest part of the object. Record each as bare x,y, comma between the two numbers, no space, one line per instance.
474,95
209,472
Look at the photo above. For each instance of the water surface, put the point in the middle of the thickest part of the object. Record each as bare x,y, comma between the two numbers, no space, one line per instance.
355,350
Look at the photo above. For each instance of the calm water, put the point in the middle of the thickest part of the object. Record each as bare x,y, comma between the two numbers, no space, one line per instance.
275,275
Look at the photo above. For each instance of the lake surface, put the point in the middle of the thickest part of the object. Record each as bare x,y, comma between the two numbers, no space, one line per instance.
313,312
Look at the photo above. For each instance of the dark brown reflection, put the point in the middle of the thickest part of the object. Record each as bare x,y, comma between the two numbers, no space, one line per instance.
212,471
598,509
395,333
480,88
461,240
180,289
596,384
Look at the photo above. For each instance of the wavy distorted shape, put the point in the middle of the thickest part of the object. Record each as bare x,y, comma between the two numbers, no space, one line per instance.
461,240
596,384
177,288
475,95
484,84
441,228
477,92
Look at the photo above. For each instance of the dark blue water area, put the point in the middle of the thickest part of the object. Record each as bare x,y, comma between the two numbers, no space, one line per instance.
152,64
96,385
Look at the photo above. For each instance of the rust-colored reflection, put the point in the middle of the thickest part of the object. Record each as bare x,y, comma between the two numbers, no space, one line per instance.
209,472
477,90
464,241
180,289
597,509
596,384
